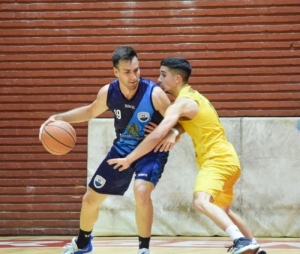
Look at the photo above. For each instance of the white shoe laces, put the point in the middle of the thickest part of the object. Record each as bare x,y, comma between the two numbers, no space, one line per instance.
68,247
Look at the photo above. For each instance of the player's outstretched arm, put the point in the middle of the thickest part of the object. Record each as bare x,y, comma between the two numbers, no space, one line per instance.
168,142
85,113
161,102
172,115
82,114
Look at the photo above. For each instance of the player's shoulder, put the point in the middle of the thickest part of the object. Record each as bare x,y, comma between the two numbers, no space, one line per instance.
159,98
103,91
159,94
189,91
105,88
185,102
154,87
114,85
146,80
147,83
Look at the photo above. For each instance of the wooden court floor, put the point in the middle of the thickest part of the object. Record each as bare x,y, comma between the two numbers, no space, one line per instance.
128,245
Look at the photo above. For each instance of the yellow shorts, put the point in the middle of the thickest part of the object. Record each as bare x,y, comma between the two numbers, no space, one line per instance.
218,181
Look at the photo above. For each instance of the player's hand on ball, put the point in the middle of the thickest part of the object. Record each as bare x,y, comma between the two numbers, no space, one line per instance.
121,163
49,120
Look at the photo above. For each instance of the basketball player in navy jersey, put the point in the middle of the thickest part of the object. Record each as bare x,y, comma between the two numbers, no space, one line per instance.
135,102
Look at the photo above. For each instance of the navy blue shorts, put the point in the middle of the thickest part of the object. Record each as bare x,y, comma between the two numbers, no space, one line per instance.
107,180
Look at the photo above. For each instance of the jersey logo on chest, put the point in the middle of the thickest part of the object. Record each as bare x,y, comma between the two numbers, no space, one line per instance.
143,116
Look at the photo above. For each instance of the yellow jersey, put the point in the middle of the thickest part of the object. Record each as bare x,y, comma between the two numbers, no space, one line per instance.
207,132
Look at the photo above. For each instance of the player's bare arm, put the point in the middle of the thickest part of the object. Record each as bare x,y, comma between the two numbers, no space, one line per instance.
182,108
161,103
85,113
82,114
188,108
160,100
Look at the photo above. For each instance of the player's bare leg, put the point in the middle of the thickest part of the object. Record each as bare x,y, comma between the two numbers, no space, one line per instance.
243,227
90,209
241,245
88,216
144,213
237,220
202,203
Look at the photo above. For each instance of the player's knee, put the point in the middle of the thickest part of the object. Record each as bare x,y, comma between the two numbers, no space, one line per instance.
86,200
89,202
142,194
200,204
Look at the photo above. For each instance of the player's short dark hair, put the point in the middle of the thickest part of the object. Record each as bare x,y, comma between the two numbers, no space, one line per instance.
124,52
179,65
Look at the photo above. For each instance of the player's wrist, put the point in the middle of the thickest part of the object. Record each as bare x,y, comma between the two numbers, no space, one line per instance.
175,131
55,118
129,159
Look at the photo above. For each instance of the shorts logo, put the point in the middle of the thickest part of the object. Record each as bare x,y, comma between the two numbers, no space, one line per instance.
143,116
142,174
99,182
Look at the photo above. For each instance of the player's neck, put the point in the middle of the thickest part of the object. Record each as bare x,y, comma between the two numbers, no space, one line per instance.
128,93
183,86
176,93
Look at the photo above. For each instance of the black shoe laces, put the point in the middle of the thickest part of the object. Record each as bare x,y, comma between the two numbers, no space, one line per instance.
236,244
230,248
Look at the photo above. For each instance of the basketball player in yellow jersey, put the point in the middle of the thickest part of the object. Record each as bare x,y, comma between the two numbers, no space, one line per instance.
218,163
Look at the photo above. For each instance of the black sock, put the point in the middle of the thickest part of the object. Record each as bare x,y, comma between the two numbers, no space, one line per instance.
144,242
83,238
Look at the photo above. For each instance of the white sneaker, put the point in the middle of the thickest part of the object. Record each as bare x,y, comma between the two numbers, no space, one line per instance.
72,248
243,245
143,251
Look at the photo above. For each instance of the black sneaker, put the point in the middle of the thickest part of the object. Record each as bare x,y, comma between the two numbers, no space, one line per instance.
243,245
260,251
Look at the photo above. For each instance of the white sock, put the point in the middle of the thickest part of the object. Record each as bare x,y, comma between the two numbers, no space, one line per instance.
233,232
254,241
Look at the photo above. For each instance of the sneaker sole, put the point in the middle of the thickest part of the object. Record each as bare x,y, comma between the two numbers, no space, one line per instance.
91,252
248,250
84,252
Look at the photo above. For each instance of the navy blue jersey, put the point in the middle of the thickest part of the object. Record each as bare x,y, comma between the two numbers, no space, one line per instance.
132,115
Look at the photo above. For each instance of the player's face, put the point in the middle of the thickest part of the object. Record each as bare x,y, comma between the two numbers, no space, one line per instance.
167,80
128,73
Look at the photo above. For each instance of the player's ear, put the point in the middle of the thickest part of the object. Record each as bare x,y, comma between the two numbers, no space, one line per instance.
116,72
178,79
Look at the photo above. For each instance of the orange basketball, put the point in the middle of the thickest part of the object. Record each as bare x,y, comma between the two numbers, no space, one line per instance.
58,137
